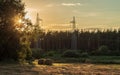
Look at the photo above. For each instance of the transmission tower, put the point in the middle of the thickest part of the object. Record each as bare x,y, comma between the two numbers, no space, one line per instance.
73,23
74,36
37,28
38,20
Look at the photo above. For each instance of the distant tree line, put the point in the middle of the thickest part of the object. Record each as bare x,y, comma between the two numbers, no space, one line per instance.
86,40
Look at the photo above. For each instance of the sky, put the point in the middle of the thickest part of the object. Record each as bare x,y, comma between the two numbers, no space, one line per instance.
96,13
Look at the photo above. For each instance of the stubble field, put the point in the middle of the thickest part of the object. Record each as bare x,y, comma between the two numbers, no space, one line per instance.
61,69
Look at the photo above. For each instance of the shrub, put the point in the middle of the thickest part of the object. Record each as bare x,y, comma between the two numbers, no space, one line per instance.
70,53
50,54
37,53
84,55
103,50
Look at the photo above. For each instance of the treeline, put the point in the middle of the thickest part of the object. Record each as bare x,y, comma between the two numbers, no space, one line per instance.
86,40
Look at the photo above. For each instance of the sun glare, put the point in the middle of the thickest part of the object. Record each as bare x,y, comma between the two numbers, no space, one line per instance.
19,21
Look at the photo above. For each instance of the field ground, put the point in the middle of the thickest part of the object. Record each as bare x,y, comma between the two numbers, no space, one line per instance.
60,69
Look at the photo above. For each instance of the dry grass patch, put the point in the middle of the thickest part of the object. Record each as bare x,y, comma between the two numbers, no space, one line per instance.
60,69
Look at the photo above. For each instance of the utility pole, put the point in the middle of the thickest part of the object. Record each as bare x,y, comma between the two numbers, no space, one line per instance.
74,36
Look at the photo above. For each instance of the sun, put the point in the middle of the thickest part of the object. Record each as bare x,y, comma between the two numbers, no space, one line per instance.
19,21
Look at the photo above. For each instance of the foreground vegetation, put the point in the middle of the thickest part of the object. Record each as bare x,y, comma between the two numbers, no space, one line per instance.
60,69
101,56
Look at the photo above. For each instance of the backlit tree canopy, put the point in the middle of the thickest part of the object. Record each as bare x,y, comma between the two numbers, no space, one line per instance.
12,26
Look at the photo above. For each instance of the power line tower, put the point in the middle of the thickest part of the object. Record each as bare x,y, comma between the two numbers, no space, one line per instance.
38,20
37,30
74,36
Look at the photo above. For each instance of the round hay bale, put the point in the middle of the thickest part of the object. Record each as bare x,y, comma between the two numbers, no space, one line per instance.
41,61
49,62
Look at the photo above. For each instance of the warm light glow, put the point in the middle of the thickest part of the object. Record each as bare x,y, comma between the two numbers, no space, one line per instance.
89,14
19,21
27,16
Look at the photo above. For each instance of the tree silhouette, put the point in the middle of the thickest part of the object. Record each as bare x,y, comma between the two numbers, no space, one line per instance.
13,28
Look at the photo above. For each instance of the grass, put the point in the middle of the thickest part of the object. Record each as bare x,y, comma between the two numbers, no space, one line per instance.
57,57
94,65
90,59
105,59
60,69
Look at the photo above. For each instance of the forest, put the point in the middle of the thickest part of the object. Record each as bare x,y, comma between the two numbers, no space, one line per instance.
86,40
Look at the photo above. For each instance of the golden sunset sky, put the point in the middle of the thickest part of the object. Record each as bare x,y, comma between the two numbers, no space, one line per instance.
88,13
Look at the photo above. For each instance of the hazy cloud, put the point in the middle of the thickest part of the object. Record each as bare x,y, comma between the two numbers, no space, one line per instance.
50,5
64,4
92,14
71,4
32,9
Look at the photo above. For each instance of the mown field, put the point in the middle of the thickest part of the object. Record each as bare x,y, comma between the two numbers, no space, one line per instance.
60,69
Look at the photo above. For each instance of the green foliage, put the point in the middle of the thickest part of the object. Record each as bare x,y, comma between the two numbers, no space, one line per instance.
105,59
50,54
75,54
84,55
70,53
14,41
103,49
69,60
37,53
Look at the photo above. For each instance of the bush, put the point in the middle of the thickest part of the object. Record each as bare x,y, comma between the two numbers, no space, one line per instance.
103,49
37,53
50,54
70,53
84,55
